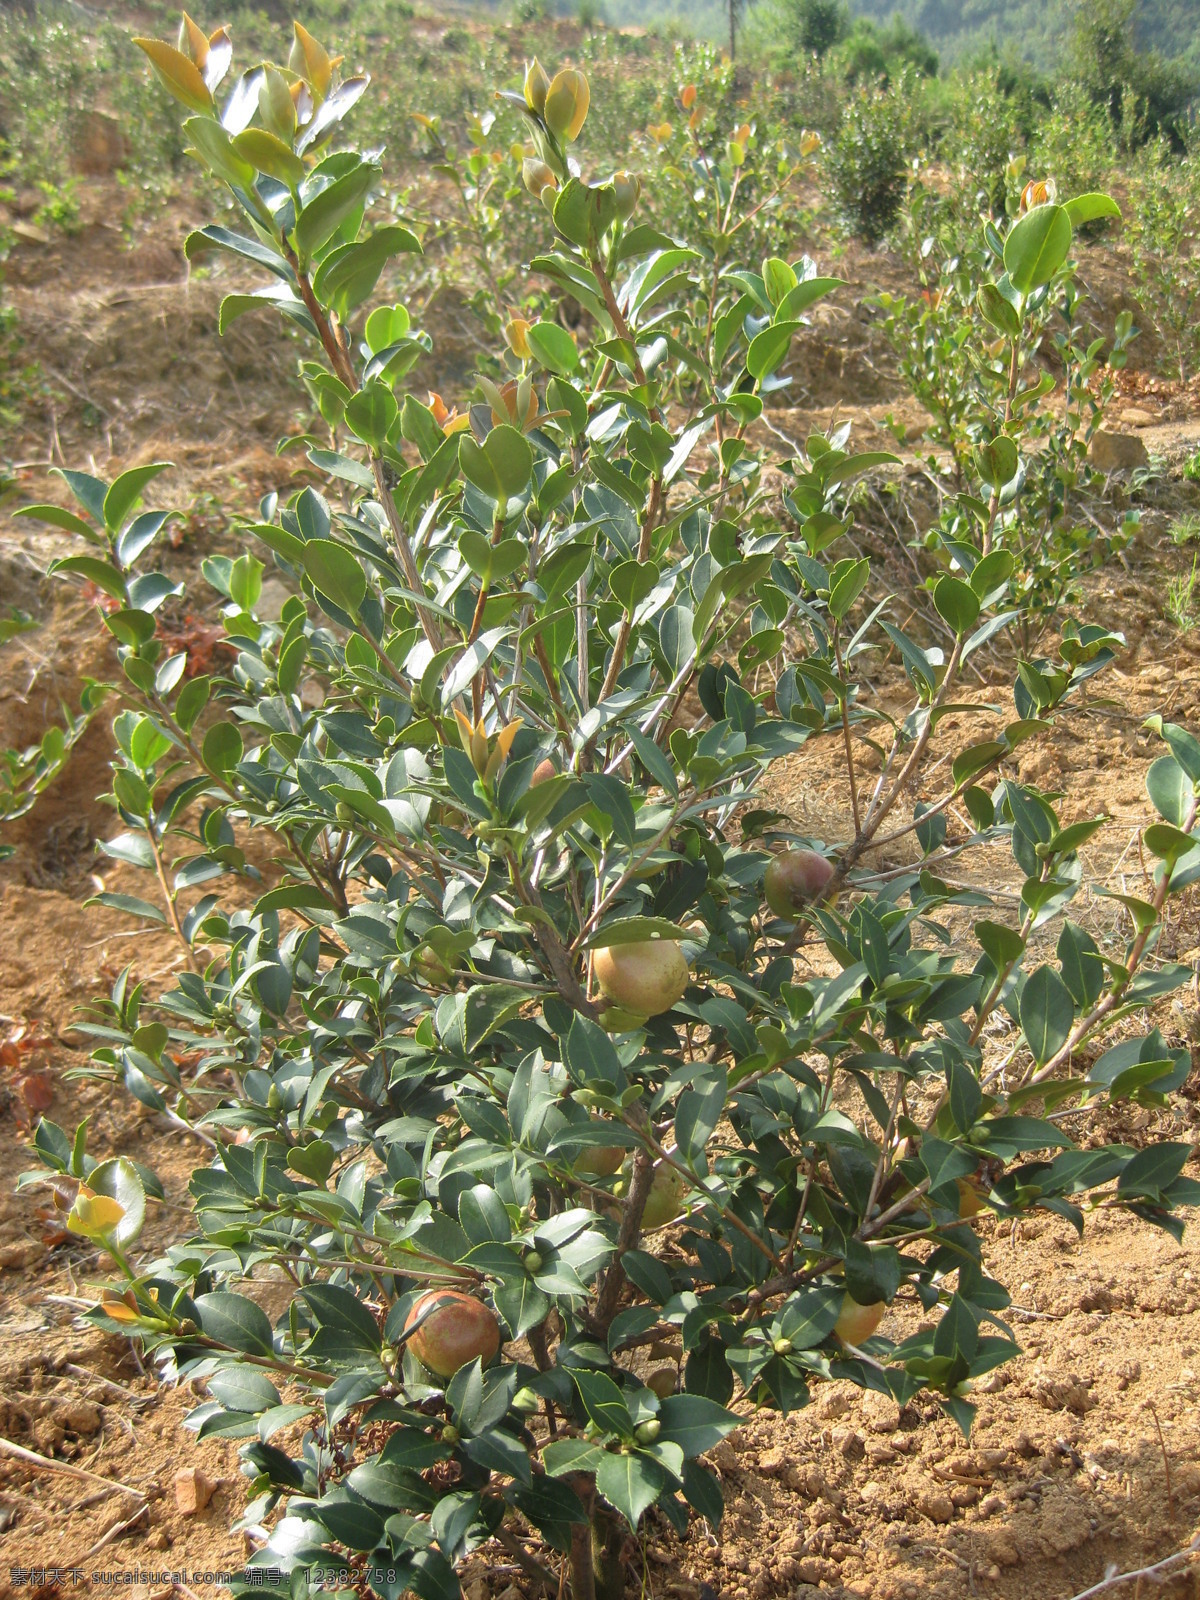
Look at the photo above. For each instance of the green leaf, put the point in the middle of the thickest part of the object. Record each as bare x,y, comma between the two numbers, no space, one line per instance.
222,747
956,603
235,1321
324,214
214,145
769,349
999,310
370,414
847,581
553,348
806,293
634,930
348,274
694,1423
997,461
1037,246
1047,1013
267,153
1090,208
603,1402
99,572
58,518
333,570
630,1483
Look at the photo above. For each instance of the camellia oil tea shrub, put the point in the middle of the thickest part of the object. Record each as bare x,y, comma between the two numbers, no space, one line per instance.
563,1101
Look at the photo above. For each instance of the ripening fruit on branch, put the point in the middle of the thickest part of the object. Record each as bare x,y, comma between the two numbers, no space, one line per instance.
543,772
647,977
457,1329
857,1322
600,1160
665,1200
566,107
796,880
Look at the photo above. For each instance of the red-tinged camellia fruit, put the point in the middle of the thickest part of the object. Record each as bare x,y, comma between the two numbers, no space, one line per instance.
543,772
665,1200
856,1322
456,1330
795,880
647,977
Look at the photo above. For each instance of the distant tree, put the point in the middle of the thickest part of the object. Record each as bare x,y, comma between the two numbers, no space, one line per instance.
871,54
1144,94
816,26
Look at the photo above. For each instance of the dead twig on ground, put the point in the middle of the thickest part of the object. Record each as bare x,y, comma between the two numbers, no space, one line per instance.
1156,1573
47,1464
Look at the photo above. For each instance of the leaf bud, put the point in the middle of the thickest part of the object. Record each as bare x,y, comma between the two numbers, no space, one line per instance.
516,337
567,102
647,1432
537,177
525,1401
537,83
627,186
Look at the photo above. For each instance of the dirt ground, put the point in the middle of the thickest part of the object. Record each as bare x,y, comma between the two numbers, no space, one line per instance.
1086,1454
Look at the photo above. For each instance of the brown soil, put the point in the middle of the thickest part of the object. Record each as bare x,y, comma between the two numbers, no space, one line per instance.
1086,1454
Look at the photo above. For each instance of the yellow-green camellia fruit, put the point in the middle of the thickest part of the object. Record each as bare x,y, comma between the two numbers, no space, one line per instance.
796,880
856,1322
665,1200
457,1329
600,1160
647,977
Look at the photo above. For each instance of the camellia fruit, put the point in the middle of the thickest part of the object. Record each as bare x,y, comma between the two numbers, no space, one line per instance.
647,977
857,1322
795,880
543,772
456,1329
665,1200
600,1160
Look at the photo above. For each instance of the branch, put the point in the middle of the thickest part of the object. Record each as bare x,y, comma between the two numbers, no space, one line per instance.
1112,1578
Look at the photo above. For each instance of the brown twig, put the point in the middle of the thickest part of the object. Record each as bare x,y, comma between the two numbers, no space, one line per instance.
47,1464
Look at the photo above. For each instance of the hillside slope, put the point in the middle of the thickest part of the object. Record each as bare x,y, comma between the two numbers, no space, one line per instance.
1037,29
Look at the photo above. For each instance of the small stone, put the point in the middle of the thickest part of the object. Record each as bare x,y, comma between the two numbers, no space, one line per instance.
723,1456
880,1413
991,1504
1117,452
965,1495
936,1506
1135,417
193,1491
772,1462
158,1539
879,1454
